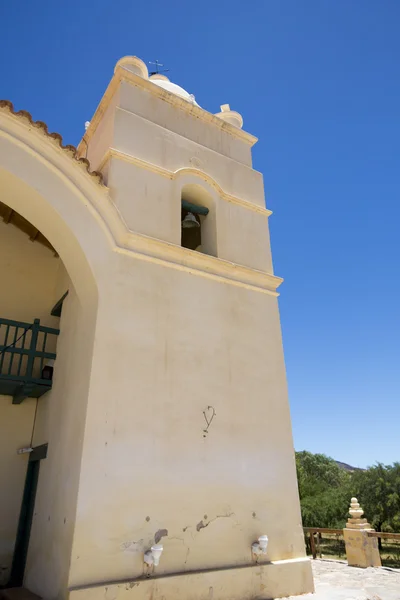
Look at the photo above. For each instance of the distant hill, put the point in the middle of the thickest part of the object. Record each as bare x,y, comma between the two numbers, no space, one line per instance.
347,467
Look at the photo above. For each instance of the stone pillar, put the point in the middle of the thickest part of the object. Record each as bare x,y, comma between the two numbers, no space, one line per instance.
361,550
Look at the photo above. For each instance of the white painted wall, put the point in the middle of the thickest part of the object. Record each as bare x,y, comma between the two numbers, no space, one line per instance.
158,145
28,273
145,205
60,423
103,136
171,345
173,342
163,112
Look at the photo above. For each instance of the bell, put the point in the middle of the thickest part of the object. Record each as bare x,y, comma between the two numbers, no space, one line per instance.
190,221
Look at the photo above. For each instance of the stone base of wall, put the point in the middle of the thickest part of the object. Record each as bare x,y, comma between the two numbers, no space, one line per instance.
271,580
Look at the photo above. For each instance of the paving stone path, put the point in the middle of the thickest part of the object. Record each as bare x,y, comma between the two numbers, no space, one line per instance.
335,580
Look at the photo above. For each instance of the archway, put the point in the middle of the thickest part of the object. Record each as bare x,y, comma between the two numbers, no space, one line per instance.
46,187
199,198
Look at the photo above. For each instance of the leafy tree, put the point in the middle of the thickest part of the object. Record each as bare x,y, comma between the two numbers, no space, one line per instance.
324,490
378,491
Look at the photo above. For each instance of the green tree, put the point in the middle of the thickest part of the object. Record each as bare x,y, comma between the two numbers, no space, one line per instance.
378,491
324,490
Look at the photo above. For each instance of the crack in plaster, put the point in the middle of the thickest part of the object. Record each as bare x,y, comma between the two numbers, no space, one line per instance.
179,539
201,525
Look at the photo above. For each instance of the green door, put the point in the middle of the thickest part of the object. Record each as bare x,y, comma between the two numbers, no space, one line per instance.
26,516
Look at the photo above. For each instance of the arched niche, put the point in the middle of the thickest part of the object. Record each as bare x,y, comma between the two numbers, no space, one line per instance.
201,195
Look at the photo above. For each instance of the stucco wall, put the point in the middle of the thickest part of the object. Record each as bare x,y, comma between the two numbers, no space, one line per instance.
170,150
146,205
27,274
262,582
152,206
160,112
172,344
60,422
103,136
243,236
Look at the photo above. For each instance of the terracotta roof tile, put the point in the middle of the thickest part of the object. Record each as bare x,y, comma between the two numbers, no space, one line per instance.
71,150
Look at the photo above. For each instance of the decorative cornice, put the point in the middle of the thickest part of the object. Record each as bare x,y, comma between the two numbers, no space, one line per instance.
204,265
121,239
122,74
114,153
23,115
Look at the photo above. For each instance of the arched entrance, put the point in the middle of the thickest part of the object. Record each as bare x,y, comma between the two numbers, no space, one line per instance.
31,275
55,241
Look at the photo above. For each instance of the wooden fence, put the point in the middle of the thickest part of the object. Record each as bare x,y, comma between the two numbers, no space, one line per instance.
315,538
315,543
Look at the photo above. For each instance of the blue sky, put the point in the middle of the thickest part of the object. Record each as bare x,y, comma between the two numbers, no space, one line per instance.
318,82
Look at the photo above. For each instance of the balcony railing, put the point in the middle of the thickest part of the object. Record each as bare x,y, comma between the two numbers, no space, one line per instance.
25,352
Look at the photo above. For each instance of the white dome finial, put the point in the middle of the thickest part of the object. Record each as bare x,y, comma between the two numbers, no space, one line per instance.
163,82
230,116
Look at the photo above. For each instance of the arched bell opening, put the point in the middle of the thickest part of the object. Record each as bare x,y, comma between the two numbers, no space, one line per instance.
198,219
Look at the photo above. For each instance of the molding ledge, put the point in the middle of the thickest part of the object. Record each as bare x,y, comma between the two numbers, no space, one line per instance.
114,153
183,259
263,581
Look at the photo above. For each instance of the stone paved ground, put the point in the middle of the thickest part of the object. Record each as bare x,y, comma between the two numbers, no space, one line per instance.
335,580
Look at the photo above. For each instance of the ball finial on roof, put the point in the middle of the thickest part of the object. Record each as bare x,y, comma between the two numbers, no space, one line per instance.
230,116
134,65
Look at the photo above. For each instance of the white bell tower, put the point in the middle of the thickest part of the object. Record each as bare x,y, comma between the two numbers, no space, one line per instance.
156,147
201,458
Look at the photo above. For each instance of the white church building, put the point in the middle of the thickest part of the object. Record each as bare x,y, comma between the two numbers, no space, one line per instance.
146,449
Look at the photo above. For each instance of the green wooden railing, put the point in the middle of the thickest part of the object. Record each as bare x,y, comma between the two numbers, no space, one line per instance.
24,351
